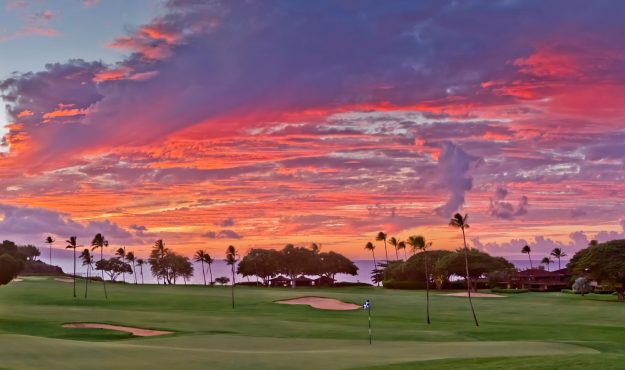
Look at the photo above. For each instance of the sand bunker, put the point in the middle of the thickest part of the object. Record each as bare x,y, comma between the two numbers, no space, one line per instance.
322,303
477,295
17,279
134,331
64,280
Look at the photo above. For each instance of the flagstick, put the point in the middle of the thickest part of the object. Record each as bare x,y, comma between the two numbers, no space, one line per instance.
369,311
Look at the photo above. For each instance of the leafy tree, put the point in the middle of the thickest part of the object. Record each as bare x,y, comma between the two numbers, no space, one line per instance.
223,280
10,267
527,250
460,222
382,237
603,262
30,252
297,260
481,264
49,240
71,244
130,257
332,263
113,267
100,242
87,260
558,253
582,285
231,260
264,263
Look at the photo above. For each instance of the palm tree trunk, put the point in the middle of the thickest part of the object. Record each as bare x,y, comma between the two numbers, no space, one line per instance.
466,264
87,282
50,244
396,254
405,255
530,258
559,268
385,251
74,271
203,271
375,264
210,271
103,280
141,267
427,289
233,282
134,271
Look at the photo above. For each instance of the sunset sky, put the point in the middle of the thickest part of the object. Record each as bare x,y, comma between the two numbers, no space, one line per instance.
258,123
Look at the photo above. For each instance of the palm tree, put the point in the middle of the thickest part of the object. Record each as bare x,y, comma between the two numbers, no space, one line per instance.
382,236
371,247
528,250
121,253
159,247
50,241
395,243
418,243
209,261
558,253
200,256
99,242
402,245
130,257
546,261
71,244
140,263
231,260
87,260
461,223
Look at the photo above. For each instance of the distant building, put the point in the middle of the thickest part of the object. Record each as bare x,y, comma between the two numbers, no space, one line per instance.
304,281
280,281
539,279
324,281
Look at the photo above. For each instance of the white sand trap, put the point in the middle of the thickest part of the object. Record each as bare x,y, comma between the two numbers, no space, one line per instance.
134,331
322,303
64,280
476,295
17,279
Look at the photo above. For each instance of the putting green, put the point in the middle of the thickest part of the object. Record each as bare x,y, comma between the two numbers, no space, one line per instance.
547,330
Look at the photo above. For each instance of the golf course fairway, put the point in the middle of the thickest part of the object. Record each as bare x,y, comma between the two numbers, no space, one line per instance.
524,331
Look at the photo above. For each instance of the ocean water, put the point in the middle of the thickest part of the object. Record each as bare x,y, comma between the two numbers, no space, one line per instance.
64,259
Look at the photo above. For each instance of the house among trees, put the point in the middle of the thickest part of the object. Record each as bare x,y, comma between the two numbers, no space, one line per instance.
324,281
304,281
539,279
280,281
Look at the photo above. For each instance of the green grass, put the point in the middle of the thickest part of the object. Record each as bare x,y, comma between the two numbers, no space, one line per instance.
522,331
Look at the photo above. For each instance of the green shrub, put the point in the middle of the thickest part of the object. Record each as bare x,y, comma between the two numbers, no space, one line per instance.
569,291
404,284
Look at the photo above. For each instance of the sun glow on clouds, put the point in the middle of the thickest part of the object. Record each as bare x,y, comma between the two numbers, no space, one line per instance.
294,138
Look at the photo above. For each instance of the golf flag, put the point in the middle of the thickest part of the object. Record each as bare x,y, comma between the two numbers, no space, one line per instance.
367,306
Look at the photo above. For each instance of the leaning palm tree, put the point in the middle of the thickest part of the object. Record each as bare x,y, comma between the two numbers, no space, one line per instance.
418,243
99,242
461,223
528,250
209,261
558,253
121,254
546,261
87,260
370,247
49,240
402,245
200,256
382,237
140,263
130,257
231,260
395,243
71,244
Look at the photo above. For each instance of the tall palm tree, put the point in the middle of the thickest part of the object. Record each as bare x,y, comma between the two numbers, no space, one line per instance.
231,260
159,247
71,244
200,256
371,247
209,261
121,253
460,222
395,243
417,242
140,263
402,245
546,261
87,260
130,257
382,237
50,241
528,250
558,253
99,242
